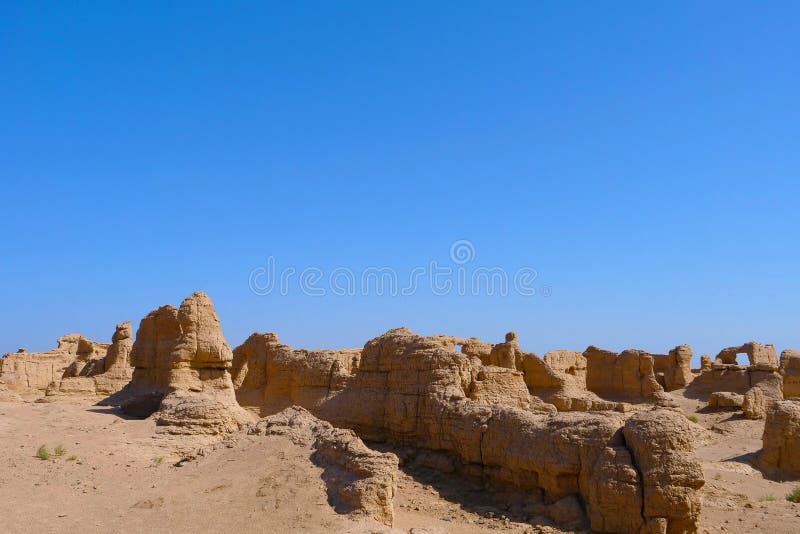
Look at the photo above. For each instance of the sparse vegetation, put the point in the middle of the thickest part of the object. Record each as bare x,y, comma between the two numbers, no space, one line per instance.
717,477
767,498
44,454
158,460
72,458
794,495
59,451
692,418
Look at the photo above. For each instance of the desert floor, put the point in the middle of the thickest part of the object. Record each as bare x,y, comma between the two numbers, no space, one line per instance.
116,474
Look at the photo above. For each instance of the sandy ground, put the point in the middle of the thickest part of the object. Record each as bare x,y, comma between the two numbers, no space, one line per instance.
736,496
116,475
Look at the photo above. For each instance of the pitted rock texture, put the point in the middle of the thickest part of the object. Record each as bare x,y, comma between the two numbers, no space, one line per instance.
181,371
358,479
780,455
408,390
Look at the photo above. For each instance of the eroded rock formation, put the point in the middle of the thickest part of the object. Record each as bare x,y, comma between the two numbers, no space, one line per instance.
760,398
757,355
34,372
410,390
628,375
790,370
726,375
181,371
99,376
780,455
358,479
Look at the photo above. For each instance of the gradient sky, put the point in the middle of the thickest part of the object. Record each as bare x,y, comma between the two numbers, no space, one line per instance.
644,158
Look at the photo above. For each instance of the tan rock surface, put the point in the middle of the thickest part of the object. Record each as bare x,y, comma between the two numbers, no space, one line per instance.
661,442
790,370
760,398
780,455
358,479
34,372
725,399
182,364
628,375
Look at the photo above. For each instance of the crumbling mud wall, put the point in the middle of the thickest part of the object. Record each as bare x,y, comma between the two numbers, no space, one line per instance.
99,376
295,377
758,382
674,370
415,391
36,371
757,355
628,375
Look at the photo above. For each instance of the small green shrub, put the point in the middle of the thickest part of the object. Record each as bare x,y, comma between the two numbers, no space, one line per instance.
43,453
717,477
59,451
692,418
794,495
767,498
158,460
72,458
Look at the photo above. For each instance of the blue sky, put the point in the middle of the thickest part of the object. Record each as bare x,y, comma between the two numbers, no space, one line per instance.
642,158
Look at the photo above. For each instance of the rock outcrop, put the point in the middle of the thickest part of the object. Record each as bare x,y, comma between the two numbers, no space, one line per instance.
780,455
628,375
358,479
408,390
726,375
661,443
757,355
270,376
674,370
99,376
790,370
760,398
181,371
34,372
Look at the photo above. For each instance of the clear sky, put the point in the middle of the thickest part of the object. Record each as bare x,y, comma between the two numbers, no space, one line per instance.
643,158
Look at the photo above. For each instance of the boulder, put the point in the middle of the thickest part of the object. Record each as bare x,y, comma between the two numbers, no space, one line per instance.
725,399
